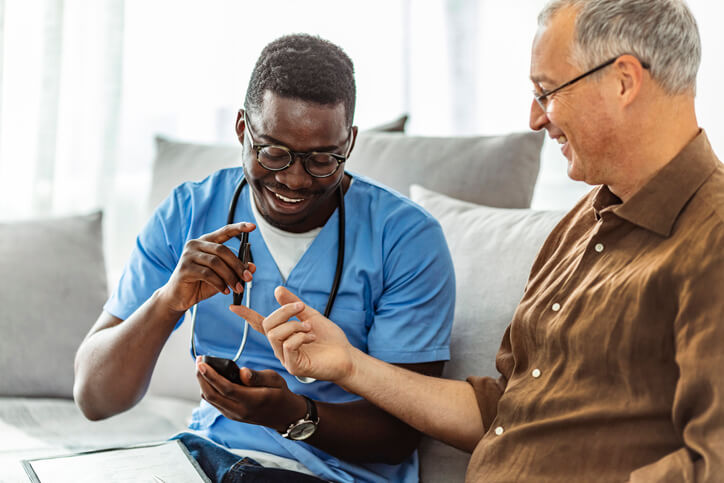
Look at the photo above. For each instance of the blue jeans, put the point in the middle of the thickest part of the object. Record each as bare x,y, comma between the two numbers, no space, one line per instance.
225,467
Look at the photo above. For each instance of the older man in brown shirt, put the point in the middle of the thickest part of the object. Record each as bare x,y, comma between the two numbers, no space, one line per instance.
612,368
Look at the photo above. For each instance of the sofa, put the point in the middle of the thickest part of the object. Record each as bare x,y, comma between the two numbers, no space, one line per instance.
54,285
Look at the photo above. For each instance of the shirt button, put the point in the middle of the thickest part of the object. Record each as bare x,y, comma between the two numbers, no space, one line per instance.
499,430
556,307
598,247
535,373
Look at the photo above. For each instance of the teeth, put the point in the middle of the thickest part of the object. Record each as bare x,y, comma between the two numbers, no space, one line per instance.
562,139
288,200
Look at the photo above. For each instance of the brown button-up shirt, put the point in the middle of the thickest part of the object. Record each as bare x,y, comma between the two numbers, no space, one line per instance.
613,366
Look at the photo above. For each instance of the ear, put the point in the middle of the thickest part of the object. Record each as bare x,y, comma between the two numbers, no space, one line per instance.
354,140
240,126
630,78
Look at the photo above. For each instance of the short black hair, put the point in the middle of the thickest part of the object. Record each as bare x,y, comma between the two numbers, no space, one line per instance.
305,67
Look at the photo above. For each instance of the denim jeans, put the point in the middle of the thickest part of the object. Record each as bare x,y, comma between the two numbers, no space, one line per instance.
225,467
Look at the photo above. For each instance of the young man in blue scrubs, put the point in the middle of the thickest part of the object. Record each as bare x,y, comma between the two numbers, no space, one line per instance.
394,300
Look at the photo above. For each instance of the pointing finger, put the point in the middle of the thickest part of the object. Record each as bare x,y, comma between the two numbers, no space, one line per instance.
227,232
253,317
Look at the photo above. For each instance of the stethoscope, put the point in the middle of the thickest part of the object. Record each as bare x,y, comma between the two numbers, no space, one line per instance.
247,286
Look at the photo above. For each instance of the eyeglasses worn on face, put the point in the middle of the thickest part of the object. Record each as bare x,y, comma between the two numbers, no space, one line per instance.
542,99
275,157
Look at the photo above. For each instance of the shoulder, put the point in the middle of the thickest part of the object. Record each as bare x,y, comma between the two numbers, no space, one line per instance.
216,188
697,240
198,206
702,219
218,182
369,197
711,195
391,222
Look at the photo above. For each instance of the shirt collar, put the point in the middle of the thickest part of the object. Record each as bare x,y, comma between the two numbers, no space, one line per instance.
657,205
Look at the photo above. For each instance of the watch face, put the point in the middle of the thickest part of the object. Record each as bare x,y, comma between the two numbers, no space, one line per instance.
302,430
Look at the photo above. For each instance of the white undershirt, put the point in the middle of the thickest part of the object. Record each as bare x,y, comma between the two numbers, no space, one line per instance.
286,248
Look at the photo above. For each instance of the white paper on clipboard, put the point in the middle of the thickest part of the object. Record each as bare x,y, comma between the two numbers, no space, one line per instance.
169,461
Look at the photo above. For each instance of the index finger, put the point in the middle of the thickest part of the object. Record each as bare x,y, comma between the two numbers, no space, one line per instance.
252,316
227,232
265,324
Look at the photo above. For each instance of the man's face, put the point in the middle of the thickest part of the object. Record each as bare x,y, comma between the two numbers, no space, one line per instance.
577,116
292,199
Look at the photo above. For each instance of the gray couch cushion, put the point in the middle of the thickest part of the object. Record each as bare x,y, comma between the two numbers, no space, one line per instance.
492,250
396,125
52,289
492,170
176,162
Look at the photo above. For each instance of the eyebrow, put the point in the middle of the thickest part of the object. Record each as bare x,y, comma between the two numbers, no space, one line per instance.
538,79
320,149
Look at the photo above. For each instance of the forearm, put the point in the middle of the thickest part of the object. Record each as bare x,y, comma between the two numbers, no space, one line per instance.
114,364
443,409
378,436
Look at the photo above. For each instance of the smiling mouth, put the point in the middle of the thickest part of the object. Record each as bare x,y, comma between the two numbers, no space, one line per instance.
287,200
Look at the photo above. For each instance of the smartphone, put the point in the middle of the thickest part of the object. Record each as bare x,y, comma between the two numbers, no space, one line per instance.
225,367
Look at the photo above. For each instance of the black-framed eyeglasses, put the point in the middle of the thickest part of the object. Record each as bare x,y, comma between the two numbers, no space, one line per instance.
542,99
275,157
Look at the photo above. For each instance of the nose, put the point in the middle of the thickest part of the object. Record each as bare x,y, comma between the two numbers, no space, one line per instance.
295,177
538,117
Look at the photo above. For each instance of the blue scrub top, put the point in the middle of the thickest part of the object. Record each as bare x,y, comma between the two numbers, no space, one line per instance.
395,299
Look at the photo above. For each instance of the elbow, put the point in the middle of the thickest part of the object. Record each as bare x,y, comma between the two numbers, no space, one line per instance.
95,398
95,403
470,446
467,442
84,402
82,394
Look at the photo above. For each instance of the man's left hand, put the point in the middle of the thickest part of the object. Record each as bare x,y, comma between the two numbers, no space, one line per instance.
263,399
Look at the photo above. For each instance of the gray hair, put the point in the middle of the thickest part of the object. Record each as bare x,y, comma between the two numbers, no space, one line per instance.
662,33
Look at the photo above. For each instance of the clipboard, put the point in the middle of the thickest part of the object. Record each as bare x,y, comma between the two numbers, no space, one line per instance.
167,461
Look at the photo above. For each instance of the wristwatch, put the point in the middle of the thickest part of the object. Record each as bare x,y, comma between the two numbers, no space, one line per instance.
306,426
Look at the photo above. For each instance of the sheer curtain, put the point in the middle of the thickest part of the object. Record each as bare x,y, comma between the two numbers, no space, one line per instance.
60,97
85,85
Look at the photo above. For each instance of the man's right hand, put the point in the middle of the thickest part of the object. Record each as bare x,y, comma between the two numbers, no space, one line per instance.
207,267
315,347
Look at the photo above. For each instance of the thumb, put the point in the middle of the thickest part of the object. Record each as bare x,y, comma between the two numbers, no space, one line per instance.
265,378
284,296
